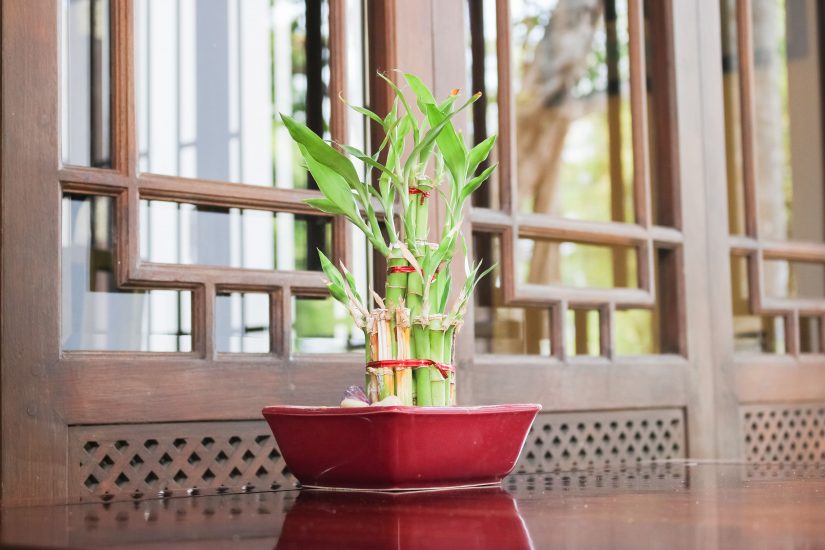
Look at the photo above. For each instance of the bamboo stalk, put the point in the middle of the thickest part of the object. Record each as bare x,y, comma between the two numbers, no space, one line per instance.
387,341
422,375
438,386
371,383
403,375
396,289
415,292
449,357
422,211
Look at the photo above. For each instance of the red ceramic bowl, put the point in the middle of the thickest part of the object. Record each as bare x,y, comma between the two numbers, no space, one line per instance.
400,448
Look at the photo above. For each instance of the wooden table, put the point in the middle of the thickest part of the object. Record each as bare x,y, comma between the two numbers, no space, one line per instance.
670,505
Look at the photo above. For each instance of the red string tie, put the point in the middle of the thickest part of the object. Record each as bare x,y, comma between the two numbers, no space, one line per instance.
443,368
419,191
401,269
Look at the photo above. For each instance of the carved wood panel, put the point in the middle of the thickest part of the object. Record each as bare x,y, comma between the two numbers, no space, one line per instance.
173,459
580,440
793,433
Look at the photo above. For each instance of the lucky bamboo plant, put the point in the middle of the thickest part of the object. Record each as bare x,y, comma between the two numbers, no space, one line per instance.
410,332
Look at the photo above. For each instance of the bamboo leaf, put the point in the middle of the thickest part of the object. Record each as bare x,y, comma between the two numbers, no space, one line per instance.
423,94
362,110
324,205
476,182
447,105
366,159
322,152
336,282
331,184
352,288
432,134
399,94
330,270
446,294
450,145
479,154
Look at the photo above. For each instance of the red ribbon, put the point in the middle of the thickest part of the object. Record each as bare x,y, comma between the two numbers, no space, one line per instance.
443,368
401,269
418,191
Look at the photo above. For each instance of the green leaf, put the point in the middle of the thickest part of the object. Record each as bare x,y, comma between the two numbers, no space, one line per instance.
336,280
476,182
364,111
357,153
423,94
399,94
321,151
479,154
446,285
446,106
449,144
324,205
331,184
433,133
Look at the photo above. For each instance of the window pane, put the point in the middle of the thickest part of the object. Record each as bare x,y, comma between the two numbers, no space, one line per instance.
86,83
185,233
242,322
96,314
636,332
212,78
322,325
752,332
810,334
570,93
580,265
787,279
788,141
501,329
582,332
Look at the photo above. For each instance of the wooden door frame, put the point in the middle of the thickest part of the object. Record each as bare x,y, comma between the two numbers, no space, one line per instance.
34,434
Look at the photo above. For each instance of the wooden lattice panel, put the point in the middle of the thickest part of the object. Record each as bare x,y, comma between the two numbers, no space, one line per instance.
580,440
793,433
142,459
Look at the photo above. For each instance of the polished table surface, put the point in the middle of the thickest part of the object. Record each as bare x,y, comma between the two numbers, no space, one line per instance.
666,505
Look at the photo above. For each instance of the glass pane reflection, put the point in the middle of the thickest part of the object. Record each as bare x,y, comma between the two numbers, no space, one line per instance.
96,314
212,77
752,332
185,233
503,329
582,332
242,322
322,325
86,83
578,265
788,141
789,279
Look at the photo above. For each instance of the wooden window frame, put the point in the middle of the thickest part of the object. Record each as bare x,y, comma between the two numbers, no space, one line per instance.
752,245
643,236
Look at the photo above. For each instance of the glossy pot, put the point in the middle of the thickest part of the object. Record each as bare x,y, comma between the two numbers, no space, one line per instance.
400,448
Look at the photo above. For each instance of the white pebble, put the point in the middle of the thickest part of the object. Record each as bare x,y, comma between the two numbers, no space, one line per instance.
352,403
389,401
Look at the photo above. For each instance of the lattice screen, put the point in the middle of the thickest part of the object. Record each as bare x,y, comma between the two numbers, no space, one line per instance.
172,459
569,441
784,433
